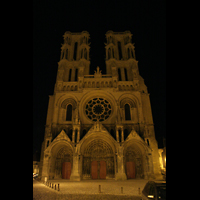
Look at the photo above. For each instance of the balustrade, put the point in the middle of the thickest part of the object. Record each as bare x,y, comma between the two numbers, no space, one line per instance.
106,81
125,86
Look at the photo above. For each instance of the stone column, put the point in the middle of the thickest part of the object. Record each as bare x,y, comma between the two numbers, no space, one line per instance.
55,115
120,175
73,135
132,113
122,136
117,134
78,135
75,175
123,49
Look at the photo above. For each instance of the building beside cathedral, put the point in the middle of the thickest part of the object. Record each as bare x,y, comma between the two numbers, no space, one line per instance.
99,126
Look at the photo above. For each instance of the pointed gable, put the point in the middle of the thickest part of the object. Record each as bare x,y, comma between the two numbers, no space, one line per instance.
62,136
134,135
97,127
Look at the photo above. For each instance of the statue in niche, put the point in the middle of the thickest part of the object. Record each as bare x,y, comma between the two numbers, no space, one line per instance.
97,126
97,73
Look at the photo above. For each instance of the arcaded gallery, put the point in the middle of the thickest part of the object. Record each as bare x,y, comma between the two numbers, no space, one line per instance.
99,126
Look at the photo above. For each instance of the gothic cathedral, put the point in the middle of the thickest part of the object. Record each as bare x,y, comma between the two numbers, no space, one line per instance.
99,126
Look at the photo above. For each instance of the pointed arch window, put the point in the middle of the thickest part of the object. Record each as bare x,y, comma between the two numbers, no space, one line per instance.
66,56
113,53
126,74
129,54
85,53
69,113
70,74
132,54
120,50
75,50
127,112
109,53
76,75
119,75
82,53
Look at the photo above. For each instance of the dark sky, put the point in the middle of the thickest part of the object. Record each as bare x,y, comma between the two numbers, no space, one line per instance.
145,19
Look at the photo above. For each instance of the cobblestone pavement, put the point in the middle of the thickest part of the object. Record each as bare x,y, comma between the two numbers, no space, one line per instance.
89,189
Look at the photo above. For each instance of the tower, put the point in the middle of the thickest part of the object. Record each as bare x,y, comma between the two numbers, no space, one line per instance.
74,61
99,125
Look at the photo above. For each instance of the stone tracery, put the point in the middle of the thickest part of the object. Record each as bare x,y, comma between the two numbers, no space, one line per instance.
85,120
98,109
98,150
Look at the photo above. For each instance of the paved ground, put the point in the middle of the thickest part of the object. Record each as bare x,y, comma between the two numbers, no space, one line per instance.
130,187
110,190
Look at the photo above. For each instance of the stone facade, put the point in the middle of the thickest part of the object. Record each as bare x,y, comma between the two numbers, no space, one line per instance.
99,126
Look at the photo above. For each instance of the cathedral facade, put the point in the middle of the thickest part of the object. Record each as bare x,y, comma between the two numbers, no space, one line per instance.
99,126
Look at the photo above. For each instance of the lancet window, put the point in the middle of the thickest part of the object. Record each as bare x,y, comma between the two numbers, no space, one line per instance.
69,113
127,112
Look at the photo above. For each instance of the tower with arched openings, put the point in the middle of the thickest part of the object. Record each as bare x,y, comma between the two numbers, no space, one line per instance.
99,126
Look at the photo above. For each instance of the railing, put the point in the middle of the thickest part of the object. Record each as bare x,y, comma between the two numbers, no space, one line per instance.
98,76
89,81
70,86
88,76
98,83
125,86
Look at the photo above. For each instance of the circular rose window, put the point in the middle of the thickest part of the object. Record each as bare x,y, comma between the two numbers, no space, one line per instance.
98,109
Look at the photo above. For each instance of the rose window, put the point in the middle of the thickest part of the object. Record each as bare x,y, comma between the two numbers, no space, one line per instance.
98,109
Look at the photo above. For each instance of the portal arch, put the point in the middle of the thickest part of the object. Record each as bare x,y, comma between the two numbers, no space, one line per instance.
61,153
100,152
138,156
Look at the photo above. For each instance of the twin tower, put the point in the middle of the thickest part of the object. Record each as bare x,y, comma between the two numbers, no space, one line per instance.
75,52
99,126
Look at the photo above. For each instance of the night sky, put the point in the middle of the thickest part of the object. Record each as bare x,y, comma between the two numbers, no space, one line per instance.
145,19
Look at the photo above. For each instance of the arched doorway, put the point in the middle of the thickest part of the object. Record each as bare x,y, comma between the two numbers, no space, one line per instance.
63,163
133,163
98,160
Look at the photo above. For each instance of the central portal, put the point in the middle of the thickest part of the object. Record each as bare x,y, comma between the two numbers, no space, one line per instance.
98,169
98,161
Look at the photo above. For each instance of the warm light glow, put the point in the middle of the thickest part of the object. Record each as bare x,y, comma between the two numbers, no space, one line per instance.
151,196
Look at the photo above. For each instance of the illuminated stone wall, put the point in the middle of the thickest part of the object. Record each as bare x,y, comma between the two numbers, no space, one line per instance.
99,117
